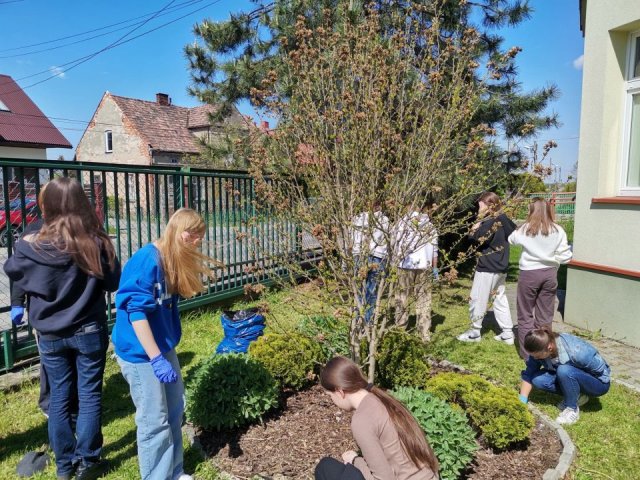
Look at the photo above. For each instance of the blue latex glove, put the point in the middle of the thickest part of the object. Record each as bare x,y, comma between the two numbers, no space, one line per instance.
163,370
436,272
16,315
523,399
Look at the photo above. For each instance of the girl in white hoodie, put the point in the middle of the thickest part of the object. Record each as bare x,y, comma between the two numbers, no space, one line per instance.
544,248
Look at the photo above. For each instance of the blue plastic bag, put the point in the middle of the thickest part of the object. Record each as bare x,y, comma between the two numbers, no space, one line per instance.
240,329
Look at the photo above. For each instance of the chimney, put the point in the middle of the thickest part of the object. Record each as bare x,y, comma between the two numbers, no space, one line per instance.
264,125
163,99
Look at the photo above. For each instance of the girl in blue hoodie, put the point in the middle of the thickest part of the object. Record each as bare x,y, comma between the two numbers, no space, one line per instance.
146,333
65,268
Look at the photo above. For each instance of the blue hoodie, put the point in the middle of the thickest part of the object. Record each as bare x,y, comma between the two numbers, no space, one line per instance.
143,295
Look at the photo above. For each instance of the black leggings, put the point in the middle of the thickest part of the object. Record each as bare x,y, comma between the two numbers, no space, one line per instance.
331,469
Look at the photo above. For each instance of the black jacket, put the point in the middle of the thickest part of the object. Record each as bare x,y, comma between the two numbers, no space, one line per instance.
493,246
62,298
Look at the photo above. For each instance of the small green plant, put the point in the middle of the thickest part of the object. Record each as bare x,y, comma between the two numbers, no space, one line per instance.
448,431
331,334
495,411
229,391
401,360
291,358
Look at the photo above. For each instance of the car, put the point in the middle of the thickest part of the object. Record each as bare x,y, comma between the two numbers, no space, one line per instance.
16,219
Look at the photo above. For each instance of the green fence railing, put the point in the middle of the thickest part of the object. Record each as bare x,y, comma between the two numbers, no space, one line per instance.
134,203
563,202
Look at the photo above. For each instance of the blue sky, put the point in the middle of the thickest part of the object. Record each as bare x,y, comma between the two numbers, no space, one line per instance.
551,40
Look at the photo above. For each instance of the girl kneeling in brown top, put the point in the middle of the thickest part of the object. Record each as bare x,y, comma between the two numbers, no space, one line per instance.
393,445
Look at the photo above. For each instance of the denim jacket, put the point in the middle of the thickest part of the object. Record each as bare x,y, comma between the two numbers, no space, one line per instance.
574,351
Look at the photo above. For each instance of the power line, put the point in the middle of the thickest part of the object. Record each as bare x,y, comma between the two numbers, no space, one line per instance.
111,45
174,9
115,44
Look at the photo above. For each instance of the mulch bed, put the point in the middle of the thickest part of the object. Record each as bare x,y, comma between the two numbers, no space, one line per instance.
292,440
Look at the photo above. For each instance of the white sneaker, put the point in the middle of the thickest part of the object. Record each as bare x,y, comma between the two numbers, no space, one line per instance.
505,338
568,416
582,400
470,336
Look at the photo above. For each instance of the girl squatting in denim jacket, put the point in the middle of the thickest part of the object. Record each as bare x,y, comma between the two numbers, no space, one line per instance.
145,336
565,365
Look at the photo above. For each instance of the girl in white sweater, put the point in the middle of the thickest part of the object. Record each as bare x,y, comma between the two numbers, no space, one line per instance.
544,248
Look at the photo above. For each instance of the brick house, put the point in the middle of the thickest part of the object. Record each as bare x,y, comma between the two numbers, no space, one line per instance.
129,131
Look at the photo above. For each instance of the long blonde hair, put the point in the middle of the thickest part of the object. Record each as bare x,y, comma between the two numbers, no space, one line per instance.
183,264
341,373
72,226
540,219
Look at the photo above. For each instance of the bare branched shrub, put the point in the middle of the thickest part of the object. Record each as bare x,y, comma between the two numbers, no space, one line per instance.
372,117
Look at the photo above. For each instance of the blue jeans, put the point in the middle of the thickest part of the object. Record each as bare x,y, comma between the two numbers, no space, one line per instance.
371,285
76,360
569,381
159,413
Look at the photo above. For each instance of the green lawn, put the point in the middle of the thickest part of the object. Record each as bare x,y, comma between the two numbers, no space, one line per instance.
23,427
607,435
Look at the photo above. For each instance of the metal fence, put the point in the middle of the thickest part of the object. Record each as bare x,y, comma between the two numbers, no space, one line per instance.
563,202
134,203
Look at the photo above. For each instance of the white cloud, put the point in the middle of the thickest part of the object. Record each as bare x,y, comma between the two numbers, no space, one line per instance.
577,63
57,71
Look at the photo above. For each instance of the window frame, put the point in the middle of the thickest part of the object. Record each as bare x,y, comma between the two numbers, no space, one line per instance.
631,88
108,138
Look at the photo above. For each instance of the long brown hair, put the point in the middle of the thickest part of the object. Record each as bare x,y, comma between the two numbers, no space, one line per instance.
341,373
539,340
72,226
183,264
540,219
492,200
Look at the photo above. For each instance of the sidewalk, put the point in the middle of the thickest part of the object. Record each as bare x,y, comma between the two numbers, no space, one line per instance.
623,359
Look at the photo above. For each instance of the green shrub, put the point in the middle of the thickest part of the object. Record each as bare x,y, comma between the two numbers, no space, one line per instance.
401,360
228,391
291,358
331,334
495,411
448,431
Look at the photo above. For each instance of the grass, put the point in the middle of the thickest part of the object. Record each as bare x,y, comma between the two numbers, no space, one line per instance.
607,435
24,428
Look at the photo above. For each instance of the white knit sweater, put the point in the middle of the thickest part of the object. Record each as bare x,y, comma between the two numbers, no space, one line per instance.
540,251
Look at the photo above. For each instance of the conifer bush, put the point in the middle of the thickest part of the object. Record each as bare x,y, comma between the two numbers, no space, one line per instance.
448,431
229,391
401,360
291,358
495,411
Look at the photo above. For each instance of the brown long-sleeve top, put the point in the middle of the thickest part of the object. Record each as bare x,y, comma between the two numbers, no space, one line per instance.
383,457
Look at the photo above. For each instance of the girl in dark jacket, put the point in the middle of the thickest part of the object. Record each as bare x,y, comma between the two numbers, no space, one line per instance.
65,268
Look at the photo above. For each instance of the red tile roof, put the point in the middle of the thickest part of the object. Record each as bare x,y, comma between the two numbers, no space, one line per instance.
199,116
25,124
164,127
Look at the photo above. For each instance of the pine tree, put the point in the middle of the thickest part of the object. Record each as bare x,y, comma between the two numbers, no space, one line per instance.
233,58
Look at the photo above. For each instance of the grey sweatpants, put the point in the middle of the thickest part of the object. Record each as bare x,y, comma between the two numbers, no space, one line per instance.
535,301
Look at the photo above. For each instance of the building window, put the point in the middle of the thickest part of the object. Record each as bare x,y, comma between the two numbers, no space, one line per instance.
108,141
3,107
630,180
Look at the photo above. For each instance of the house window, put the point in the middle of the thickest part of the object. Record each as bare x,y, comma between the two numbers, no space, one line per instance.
630,181
3,107
108,141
